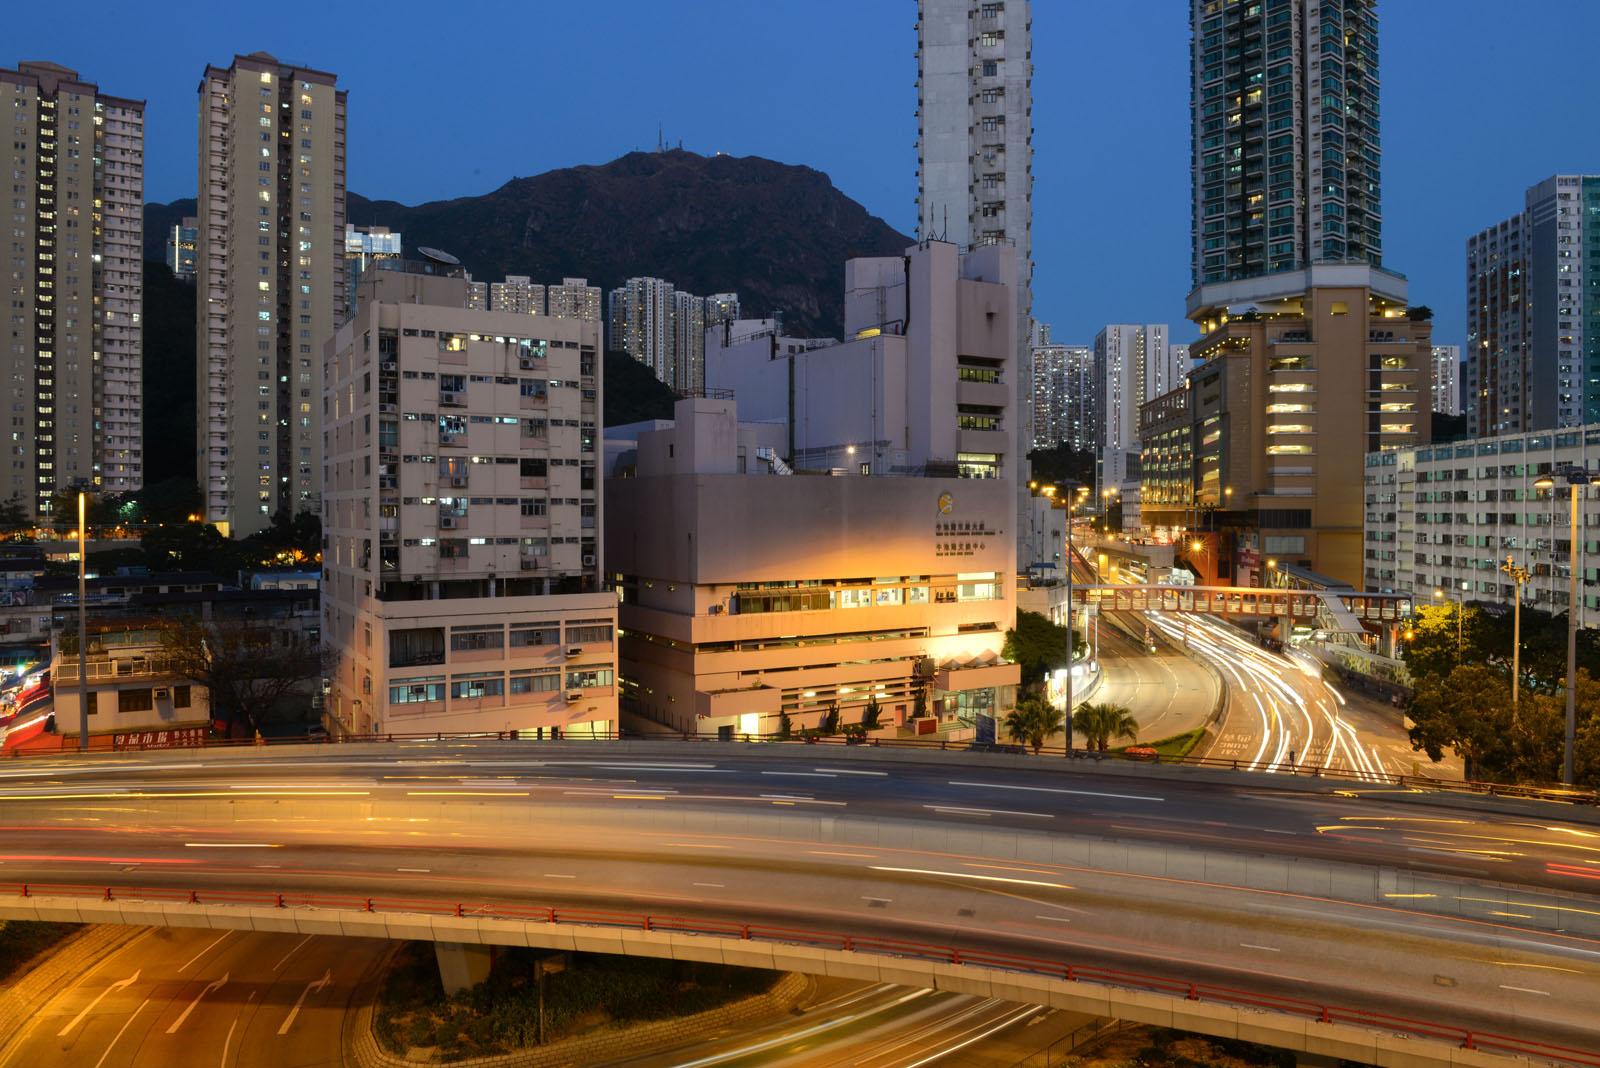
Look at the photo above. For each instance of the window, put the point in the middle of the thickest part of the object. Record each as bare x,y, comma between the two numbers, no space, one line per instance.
181,696
476,639
135,700
588,678
423,645
412,691
477,686
536,682
545,634
585,635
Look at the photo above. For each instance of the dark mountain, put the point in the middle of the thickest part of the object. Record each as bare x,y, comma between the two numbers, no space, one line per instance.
159,219
776,234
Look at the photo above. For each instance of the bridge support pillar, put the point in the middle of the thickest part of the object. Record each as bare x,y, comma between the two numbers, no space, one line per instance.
462,966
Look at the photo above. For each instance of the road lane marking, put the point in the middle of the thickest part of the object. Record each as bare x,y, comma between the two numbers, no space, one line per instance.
1056,790
203,952
987,811
972,875
227,1042
876,900
122,985
852,771
1525,990
233,845
831,853
327,977
416,871
548,875
209,988
1252,945
119,1034
1057,919
291,953
802,774
716,886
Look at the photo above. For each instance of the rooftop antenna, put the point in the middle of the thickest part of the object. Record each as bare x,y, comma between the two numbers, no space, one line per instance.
660,147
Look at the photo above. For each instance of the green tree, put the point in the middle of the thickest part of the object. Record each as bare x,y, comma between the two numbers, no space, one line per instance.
785,726
830,719
1099,723
873,712
247,667
1037,646
16,518
1469,711
1032,722
1062,466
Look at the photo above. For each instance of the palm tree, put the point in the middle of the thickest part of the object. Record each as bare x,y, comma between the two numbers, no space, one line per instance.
1099,723
1032,721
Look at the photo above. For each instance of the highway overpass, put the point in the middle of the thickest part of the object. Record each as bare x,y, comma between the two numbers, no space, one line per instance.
1376,925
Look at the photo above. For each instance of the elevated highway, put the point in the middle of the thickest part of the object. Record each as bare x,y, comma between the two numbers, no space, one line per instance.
1377,925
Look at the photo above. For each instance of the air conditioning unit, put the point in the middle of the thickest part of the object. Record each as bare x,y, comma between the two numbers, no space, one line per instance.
451,398
588,561
716,609
526,365
458,480
391,408
574,695
447,439
161,693
447,522
529,565
576,650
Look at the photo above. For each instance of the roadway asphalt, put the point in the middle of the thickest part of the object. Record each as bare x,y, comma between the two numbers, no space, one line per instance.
673,830
191,996
1166,691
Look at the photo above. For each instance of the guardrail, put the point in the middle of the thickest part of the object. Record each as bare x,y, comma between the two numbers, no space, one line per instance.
1563,794
869,944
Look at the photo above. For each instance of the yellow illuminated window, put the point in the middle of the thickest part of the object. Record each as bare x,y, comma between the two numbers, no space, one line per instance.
1288,428
1273,409
1397,407
1288,450
1291,387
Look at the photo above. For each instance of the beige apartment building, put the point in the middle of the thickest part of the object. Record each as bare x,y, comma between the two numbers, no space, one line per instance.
1301,375
269,274
462,508
785,594
73,350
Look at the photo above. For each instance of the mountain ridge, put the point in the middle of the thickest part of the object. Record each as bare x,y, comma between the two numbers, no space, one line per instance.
777,234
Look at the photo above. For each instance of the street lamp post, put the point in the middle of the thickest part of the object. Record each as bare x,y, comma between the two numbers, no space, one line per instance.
1574,478
83,626
1519,575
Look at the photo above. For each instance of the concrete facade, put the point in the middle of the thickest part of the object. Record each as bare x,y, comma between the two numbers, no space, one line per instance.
270,278
1063,396
1447,379
1533,333
73,351
463,513
1132,364
756,609
1447,516
574,298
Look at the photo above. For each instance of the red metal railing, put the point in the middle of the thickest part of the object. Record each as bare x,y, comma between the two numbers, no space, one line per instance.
888,947
1537,792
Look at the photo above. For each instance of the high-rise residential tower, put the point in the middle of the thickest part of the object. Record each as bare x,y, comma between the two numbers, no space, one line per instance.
73,345
1533,332
1447,379
1063,396
574,298
180,248
1309,355
1132,364
270,277
975,154
518,294
640,324
1285,124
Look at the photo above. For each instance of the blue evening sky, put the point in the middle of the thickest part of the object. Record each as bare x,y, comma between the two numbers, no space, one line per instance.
451,100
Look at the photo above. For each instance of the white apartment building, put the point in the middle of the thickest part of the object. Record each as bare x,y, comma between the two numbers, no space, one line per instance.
640,323
924,386
1533,329
1063,396
1447,379
462,511
73,351
1132,364
722,308
688,342
574,298
757,607
270,282
518,294
362,246
1445,517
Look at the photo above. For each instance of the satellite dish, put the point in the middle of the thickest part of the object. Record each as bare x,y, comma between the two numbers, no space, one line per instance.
438,256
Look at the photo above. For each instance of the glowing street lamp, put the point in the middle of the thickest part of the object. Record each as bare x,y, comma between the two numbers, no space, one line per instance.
1519,575
1459,608
1574,477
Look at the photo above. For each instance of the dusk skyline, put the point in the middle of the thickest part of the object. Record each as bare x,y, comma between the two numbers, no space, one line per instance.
831,85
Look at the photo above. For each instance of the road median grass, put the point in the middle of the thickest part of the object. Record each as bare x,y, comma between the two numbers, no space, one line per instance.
23,940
